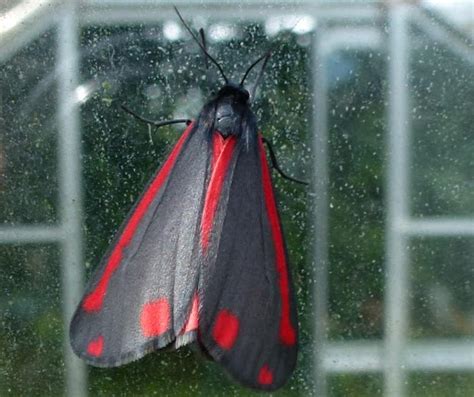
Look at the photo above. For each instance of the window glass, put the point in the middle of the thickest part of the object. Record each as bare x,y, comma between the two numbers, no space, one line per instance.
442,130
28,173
442,283
355,385
356,142
32,324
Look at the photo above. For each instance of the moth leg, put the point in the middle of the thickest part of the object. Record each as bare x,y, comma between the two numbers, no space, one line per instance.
154,123
276,166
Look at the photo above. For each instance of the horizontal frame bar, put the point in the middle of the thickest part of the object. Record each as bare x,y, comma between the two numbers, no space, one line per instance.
434,355
446,226
150,12
31,234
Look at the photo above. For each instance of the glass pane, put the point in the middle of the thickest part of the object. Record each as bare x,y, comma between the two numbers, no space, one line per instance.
28,180
442,89
355,386
31,335
441,385
356,257
442,277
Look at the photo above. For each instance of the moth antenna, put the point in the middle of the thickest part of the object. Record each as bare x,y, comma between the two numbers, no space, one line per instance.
266,56
251,67
203,41
260,75
201,45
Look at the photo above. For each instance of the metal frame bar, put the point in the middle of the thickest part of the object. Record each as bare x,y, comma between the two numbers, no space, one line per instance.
442,226
433,355
321,208
30,234
397,254
70,194
151,11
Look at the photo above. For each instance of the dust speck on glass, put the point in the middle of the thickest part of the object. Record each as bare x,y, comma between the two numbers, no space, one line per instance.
370,101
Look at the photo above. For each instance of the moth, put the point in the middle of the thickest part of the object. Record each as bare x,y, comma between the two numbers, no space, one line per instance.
201,257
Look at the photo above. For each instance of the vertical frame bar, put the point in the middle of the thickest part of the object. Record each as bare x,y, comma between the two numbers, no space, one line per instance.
397,259
70,195
321,209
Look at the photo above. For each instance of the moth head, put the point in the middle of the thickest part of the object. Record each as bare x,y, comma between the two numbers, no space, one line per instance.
231,102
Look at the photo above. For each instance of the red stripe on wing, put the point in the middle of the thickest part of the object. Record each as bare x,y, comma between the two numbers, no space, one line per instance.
93,302
287,331
192,321
222,152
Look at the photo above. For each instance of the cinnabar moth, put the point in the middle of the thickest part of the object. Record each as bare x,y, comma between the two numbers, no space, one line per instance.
201,257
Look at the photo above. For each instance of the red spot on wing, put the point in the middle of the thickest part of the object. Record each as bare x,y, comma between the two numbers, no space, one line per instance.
287,331
222,151
265,375
226,329
93,301
193,319
155,317
96,346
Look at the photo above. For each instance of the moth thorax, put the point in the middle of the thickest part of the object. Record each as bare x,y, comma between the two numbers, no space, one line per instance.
228,117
